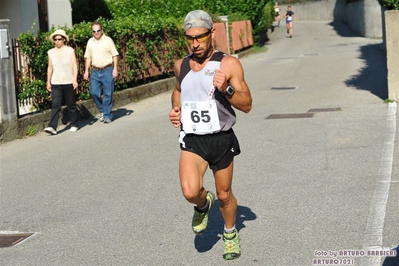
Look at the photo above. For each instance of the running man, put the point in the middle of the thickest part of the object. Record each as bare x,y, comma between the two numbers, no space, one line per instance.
208,84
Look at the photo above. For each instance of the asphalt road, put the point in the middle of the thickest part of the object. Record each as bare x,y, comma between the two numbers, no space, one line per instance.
307,188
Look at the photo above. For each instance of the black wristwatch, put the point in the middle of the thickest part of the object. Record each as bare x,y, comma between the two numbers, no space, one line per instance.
230,91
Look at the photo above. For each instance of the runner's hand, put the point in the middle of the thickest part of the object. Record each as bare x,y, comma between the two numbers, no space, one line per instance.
219,80
174,117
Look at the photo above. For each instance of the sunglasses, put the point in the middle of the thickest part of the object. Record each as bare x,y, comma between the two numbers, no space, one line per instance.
96,31
58,39
200,38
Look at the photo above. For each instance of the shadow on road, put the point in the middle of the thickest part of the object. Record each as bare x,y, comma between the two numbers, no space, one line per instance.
342,29
214,231
121,112
373,76
87,119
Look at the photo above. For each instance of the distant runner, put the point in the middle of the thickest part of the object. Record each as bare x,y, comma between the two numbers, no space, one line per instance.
289,17
277,14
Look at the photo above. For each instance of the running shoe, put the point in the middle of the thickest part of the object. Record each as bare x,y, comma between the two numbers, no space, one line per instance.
200,219
73,129
232,249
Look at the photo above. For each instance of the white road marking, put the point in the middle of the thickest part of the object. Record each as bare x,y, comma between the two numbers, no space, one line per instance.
375,223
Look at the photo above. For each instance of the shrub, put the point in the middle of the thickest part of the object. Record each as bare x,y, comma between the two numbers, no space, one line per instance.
234,9
390,4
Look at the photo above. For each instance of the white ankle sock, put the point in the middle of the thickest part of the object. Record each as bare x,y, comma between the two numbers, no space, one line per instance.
231,230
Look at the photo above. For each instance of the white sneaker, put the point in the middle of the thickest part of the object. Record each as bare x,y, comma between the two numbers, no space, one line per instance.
50,130
101,117
73,129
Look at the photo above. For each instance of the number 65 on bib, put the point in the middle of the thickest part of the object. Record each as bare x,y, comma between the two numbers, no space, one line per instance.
200,117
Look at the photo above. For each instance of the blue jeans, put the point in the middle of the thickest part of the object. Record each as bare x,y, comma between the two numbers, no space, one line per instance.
102,82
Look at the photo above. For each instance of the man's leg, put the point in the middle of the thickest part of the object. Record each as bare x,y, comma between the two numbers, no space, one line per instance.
108,85
228,208
192,170
95,89
228,203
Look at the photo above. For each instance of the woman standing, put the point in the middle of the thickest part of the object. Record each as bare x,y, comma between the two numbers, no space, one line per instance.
62,73
289,17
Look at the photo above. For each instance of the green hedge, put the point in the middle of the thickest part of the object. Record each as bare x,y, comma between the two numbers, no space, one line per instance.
234,9
142,44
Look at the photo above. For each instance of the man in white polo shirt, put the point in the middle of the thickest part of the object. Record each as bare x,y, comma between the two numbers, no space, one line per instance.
102,56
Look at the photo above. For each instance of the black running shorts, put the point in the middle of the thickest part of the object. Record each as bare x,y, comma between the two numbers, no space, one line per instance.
217,149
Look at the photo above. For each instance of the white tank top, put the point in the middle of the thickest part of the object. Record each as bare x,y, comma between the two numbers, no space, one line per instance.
196,86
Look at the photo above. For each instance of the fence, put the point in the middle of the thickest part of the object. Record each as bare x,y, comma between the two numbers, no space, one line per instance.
25,106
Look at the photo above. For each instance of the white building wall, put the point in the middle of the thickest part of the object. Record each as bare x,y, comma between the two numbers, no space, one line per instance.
23,14
59,13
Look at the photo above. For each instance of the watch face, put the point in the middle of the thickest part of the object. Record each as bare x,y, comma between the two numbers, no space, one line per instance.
230,90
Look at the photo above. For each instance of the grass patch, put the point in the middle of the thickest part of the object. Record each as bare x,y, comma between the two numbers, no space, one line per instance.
389,101
31,131
258,49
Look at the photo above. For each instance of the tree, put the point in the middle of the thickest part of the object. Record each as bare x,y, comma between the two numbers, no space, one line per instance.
89,10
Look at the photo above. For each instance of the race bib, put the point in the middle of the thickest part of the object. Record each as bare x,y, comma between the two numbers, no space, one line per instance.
289,18
200,117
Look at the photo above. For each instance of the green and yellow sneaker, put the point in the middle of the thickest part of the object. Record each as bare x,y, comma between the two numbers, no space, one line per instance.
232,249
200,219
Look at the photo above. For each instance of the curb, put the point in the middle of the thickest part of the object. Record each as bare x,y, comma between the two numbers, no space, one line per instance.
31,124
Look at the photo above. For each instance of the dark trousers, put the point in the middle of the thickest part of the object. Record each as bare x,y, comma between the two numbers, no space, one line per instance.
58,92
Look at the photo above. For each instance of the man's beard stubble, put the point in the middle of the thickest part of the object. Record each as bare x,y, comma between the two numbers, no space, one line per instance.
208,51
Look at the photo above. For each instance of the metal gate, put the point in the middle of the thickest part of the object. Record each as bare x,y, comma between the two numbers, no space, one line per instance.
25,106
